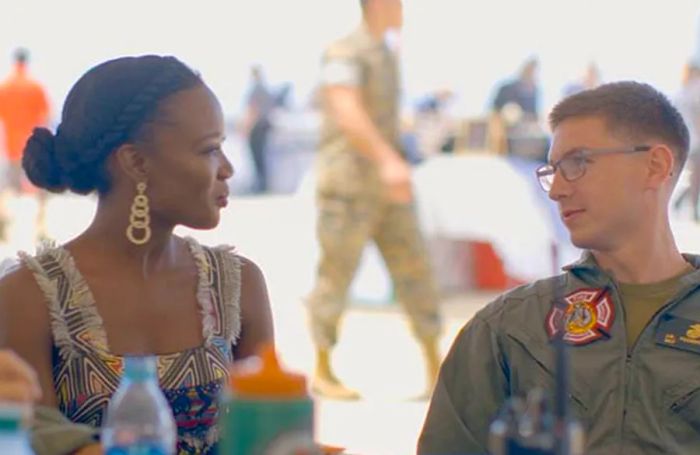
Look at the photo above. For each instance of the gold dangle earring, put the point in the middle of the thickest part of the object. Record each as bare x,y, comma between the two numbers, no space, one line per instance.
139,217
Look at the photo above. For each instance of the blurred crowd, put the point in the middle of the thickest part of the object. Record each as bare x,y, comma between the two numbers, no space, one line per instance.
280,133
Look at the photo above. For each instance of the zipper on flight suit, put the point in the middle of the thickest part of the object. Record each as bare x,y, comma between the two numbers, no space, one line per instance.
625,363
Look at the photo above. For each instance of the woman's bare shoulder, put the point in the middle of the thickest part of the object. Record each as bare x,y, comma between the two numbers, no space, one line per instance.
21,299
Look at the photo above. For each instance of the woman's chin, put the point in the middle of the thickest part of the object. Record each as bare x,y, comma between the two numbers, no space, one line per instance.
204,224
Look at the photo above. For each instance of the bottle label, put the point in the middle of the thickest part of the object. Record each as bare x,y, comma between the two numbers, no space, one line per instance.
138,449
297,443
266,427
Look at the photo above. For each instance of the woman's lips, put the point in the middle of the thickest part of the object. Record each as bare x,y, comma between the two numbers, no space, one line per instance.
222,201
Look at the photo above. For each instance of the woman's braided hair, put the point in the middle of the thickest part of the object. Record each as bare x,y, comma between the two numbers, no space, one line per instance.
109,106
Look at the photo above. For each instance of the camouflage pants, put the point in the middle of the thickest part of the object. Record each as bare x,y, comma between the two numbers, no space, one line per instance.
353,211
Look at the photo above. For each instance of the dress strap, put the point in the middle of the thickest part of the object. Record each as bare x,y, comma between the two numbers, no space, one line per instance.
218,291
74,318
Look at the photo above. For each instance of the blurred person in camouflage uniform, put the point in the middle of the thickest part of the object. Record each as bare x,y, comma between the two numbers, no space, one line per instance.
364,192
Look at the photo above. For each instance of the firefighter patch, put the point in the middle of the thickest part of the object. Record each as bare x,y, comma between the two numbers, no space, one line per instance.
585,315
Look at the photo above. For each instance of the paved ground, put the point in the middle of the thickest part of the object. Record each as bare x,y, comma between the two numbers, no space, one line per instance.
378,356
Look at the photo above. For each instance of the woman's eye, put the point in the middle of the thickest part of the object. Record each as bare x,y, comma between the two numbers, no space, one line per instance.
211,150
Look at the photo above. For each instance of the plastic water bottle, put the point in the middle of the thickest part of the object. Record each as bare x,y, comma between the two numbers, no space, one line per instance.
139,419
266,411
14,439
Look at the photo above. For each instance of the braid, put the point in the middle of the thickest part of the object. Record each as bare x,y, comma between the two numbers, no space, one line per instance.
85,170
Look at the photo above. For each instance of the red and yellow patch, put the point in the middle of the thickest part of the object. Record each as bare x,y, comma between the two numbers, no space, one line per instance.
586,315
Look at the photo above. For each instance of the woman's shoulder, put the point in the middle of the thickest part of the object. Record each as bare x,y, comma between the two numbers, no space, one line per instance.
250,269
29,277
21,297
225,252
15,275
240,264
229,260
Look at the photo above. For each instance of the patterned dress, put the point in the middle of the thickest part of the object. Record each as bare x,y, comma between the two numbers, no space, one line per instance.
86,374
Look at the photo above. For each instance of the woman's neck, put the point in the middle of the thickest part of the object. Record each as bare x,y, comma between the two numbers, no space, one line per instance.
107,234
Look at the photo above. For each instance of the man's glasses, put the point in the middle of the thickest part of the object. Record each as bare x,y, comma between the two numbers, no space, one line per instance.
573,166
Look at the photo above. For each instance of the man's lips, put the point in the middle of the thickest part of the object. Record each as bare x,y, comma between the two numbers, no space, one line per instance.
570,213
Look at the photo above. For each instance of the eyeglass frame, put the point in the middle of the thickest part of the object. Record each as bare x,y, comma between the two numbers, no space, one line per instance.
580,153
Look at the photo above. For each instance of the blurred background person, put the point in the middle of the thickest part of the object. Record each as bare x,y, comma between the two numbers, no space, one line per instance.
23,106
364,192
590,80
433,125
688,103
260,102
516,113
522,92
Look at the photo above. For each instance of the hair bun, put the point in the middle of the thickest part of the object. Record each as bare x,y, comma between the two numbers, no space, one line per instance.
40,163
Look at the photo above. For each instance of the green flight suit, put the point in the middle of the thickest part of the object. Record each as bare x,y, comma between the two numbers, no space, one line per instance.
646,401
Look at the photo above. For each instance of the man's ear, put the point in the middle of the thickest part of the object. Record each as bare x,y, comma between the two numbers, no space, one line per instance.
661,165
132,161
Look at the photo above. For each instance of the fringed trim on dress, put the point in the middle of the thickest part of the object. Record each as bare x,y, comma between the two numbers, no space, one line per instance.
49,288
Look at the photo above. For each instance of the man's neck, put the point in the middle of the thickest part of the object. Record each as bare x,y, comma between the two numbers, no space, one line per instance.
21,69
644,262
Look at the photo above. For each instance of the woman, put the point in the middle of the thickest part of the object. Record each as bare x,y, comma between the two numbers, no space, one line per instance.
145,133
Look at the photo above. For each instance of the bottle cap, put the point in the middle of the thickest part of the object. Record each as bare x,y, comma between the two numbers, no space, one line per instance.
140,368
266,379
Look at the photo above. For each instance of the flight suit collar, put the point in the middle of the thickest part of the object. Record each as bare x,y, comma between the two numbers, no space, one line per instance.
588,270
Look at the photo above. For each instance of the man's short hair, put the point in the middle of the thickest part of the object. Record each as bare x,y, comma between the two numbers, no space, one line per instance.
21,55
631,108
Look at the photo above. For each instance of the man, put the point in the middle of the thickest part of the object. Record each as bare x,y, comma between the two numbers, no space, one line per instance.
23,106
615,158
260,105
364,191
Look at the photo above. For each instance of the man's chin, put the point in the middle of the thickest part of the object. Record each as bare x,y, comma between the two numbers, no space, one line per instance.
581,241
